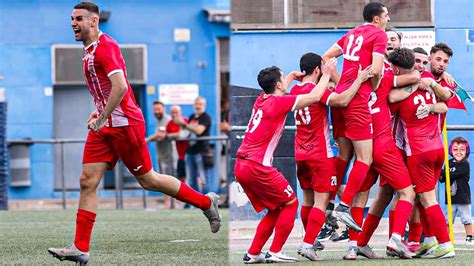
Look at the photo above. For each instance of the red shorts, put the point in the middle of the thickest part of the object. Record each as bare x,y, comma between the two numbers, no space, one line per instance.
425,169
338,125
358,122
112,143
264,185
318,175
389,163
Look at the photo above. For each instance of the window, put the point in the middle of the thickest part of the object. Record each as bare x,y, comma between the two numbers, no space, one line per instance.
320,14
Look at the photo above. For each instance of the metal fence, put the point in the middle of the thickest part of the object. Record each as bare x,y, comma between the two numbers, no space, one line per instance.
117,173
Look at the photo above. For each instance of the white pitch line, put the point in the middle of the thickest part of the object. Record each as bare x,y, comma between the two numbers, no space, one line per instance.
184,240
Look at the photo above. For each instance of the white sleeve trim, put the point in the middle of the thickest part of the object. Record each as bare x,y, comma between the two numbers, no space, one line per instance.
395,81
379,54
296,102
340,48
114,72
329,98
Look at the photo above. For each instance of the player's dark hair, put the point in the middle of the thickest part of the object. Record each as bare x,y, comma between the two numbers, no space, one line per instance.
372,10
441,46
402,57
89,6
268,77
420,50
309,62
399,34
158,102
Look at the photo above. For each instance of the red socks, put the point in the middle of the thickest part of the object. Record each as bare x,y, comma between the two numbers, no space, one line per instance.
304,215
358,215
355,180
401,216
84,224
391,215
282,220
438,222
284,225
191,196
414,235
341,166
370,224
264,231
315,221
424,221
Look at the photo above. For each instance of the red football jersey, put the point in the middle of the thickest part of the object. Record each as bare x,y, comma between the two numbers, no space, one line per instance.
312,139
359,46
387,67
379,109
102,59
420,135
398,130
265,127
453,102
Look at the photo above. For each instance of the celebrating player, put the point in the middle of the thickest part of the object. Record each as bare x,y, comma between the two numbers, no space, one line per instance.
316,169
388,161
364,45
264,185
117,130
425,158
394,39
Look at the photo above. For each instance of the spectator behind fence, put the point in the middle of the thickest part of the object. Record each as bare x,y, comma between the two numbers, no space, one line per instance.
459,173
174,131
164,147
199,157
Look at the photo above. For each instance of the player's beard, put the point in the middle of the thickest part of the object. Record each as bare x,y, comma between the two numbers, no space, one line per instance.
437,73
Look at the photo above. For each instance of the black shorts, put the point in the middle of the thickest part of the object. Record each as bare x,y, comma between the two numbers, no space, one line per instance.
181,170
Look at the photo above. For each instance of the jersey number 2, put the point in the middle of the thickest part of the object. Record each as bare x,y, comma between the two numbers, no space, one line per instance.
372,101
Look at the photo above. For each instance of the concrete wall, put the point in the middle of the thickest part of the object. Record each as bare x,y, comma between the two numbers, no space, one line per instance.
29,28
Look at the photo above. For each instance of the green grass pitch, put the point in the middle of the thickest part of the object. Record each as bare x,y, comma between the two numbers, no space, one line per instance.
125,237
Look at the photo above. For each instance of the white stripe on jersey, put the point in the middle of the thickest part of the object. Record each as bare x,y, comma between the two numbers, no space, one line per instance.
268,157
327,138
405,137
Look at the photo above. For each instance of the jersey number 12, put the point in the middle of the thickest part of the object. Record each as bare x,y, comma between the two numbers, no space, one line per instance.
352,49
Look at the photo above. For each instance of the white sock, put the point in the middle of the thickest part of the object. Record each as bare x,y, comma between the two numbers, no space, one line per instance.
446,245
352,243
307,245
430,240
397,236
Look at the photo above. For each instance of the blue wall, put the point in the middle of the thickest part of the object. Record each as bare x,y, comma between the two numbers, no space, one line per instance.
29,28
252,51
